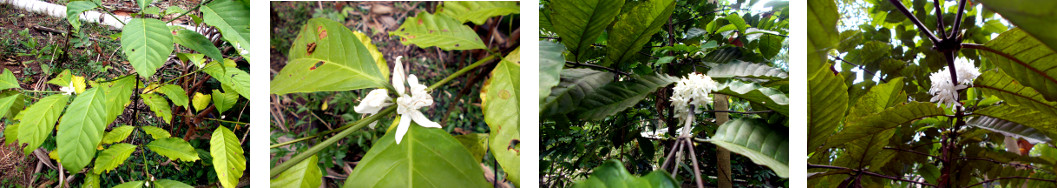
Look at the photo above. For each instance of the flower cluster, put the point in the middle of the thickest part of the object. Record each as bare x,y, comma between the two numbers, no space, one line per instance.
943,90
410,100
691,90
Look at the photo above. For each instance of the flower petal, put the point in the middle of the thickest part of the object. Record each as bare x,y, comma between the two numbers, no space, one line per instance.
422,120
398,75
401,130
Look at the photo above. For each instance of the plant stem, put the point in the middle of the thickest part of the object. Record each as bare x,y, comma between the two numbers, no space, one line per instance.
109,12
903,8
177,78
958,19
188,11
939,15
864,172
329,141
598,67
461,72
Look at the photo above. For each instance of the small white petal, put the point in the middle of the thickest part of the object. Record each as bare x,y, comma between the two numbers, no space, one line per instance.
398,75
405,122
422,120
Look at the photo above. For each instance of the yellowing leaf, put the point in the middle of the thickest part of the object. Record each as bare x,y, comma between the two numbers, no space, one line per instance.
155,132
200,101
174,148
228,159
78,84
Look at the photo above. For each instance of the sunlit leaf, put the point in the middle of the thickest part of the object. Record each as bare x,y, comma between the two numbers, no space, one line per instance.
81,129
634,28
764,144
500,96
305,174
426,30
232,19
159,105
147,43
155,132
580,22
228,159
39,121
117,134
477,11
326,56
174,148
112,157
427,157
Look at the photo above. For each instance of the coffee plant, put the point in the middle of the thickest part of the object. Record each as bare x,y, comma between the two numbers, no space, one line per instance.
632,92
415,151
919,93
168,63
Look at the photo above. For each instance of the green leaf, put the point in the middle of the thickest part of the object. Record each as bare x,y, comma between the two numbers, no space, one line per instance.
635,28
131,184
737,21
39,121
612,174
74,10
580,22
228,159
770,98
230,76
743,70
119,93
770,45
159,105
476,143
81,129
143,4
167,183
173,10
997,83
223,101
233,20
827,103
551,63
379,59
305,174
766,145
147,43
822,33
112,157
500,96
11,129
201,101
1032,65
91,180
426,30
155,132
1035,17
174,148
1047,123
878,98
1009,129
574,86
890,118
175,93
427,157
617,96
8,80
338,62
477,11
11,104
195,41
117,134
63,79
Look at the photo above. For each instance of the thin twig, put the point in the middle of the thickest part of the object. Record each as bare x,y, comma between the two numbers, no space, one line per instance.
939,15
903,8
958,19
598,67
1013,177
746,112
869,173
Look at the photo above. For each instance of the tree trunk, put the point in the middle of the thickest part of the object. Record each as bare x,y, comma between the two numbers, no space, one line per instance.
722,155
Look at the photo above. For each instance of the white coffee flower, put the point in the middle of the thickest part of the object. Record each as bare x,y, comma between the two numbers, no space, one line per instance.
68,89
691,90
943,90
375,101
409,102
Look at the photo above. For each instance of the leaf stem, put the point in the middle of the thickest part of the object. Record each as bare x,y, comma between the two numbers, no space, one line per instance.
330,141
188,11
462,71
109,12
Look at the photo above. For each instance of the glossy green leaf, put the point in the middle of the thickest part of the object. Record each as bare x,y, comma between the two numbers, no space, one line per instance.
305,174
612,174
1044,122
230,76
996,83
1035,17
147,43
155,132
81,129
822,33
224,101
228,159
476,143
427,157
579,23
117,134
1009,129
755,93
8,80
864,127
175,93
477,11
232,19
426,30
74,10
770,45
159,105
337,62
737,21
766,145
201,101
575,84
131,184
878,98
551,63
197,42
119,93
827,103
174,148
634,28
379,59
746,70
1032,65
39,121
500,96
167,183
617,96
112,157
